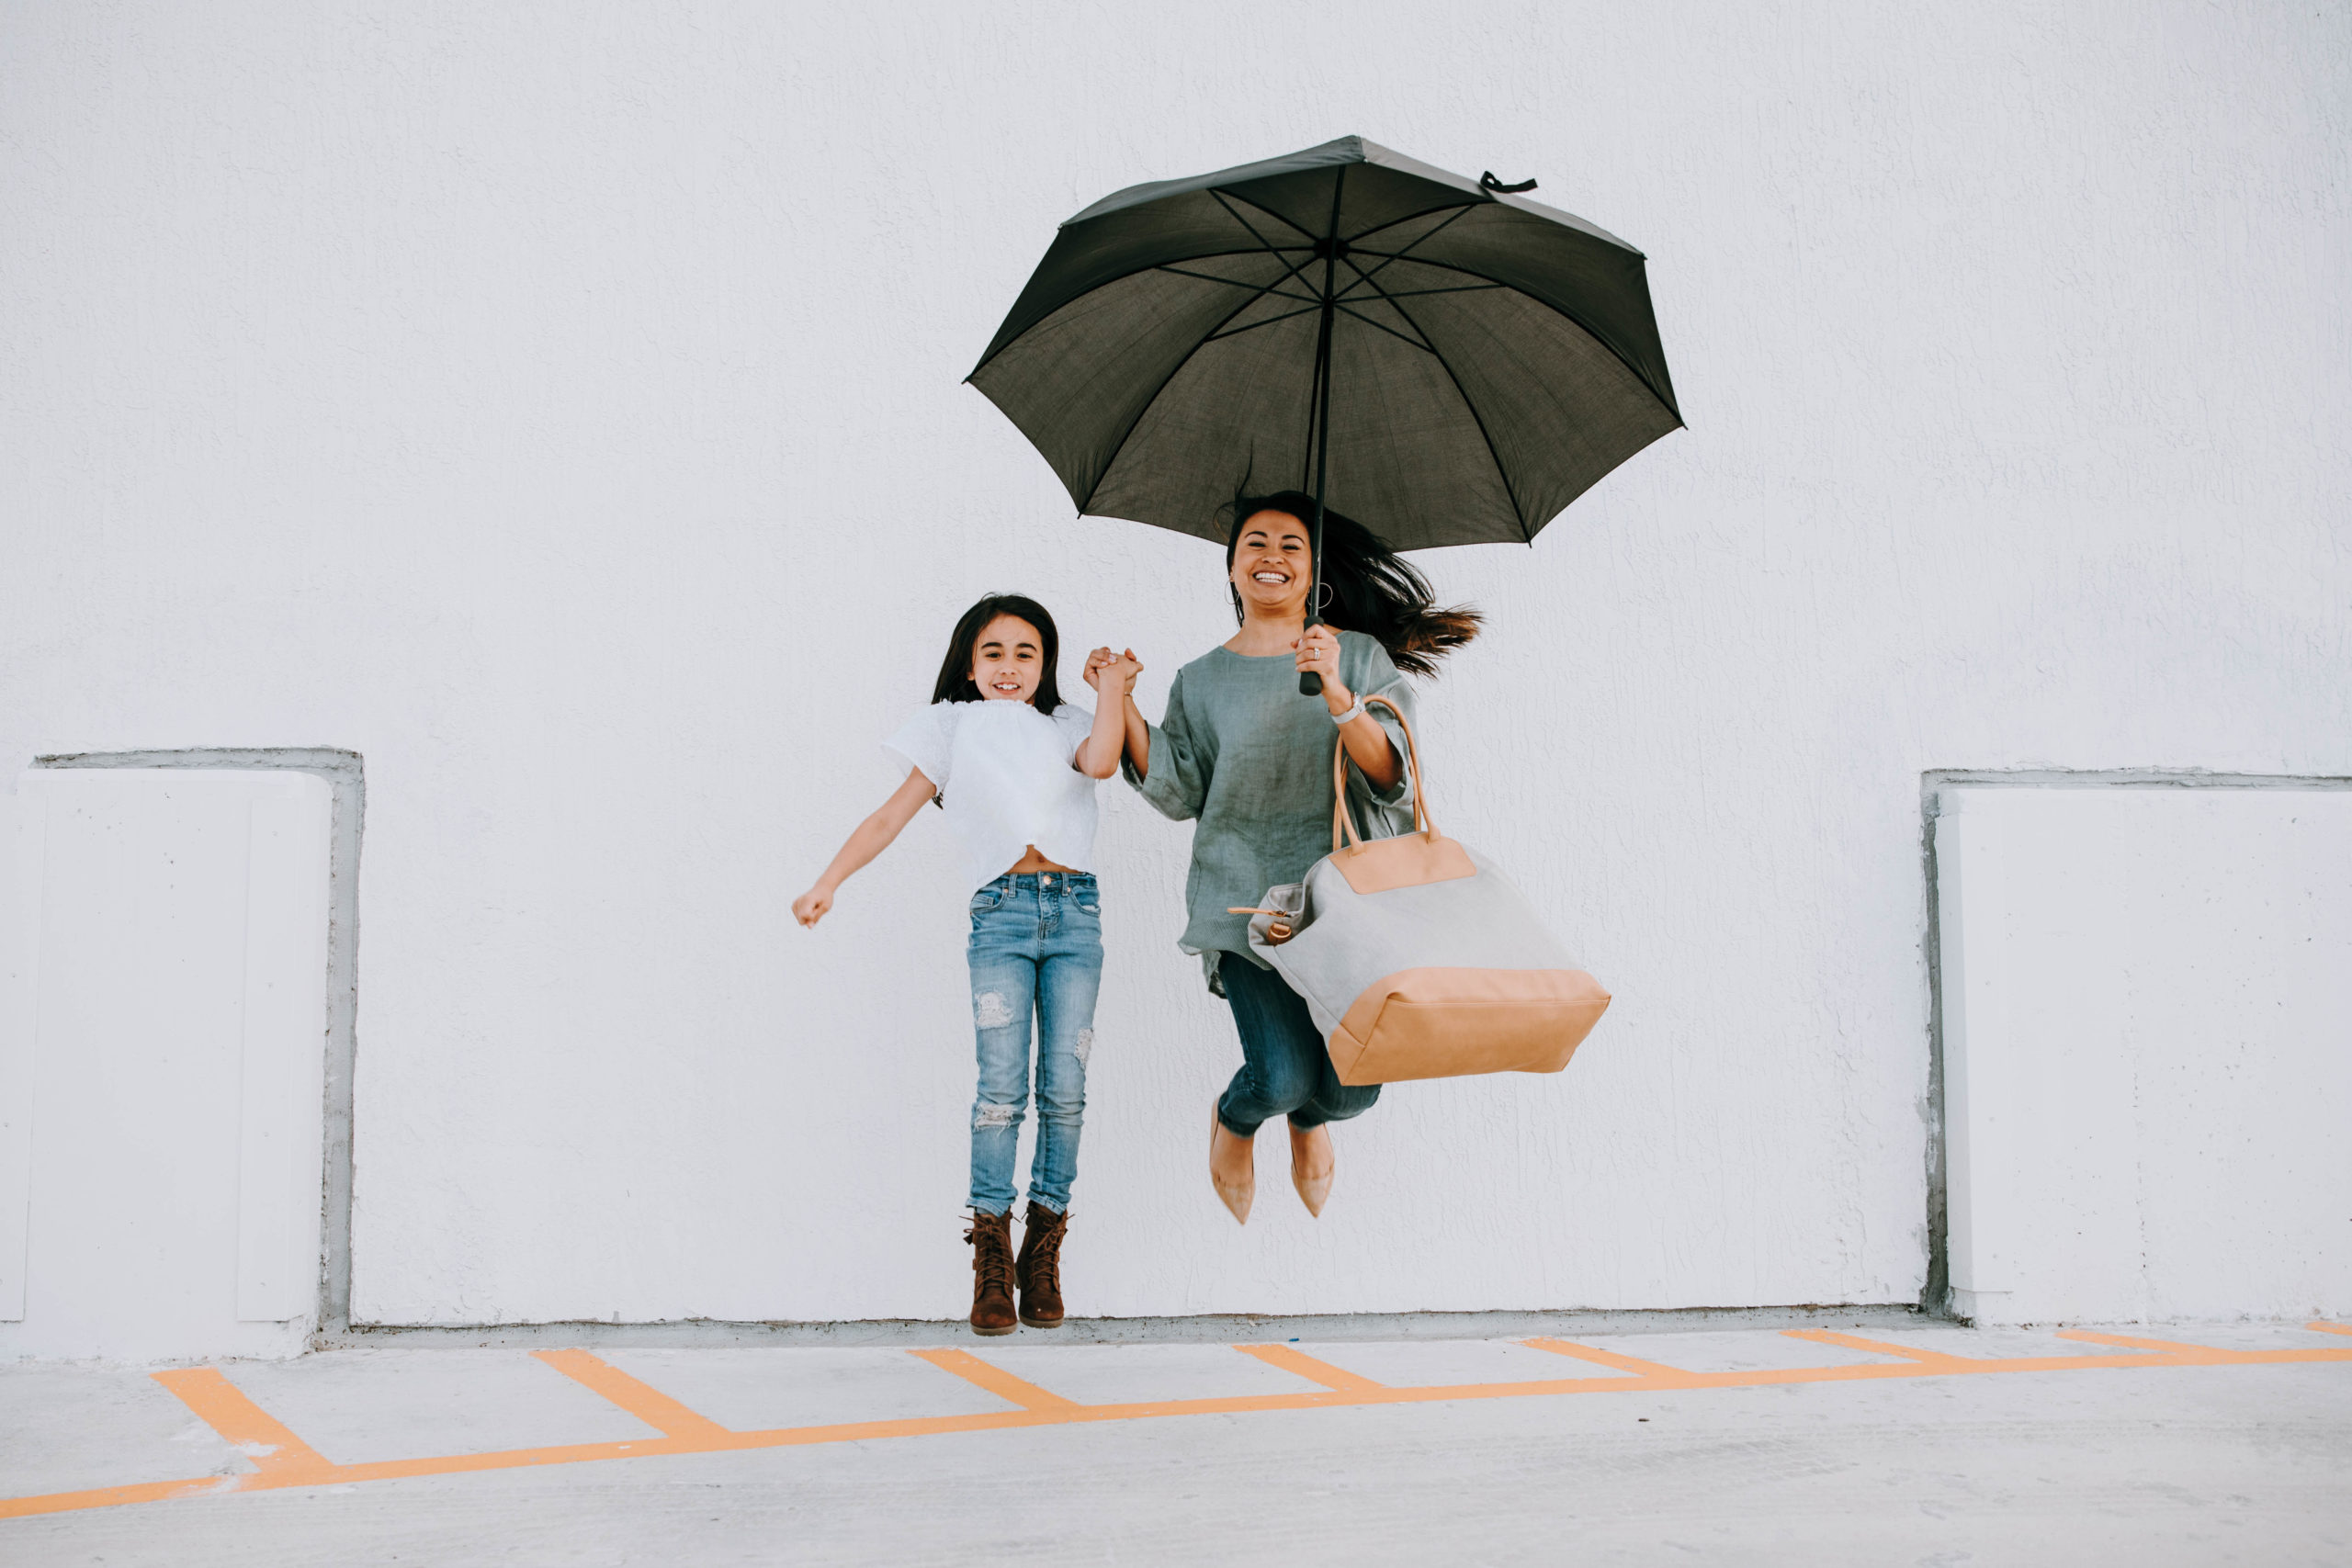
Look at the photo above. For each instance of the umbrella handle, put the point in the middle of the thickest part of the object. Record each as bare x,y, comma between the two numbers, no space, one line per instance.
1310,684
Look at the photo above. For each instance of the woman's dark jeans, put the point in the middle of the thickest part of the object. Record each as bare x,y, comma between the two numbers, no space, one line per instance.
1286,1071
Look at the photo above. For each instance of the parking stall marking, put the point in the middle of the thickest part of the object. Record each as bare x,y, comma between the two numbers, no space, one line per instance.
280,1458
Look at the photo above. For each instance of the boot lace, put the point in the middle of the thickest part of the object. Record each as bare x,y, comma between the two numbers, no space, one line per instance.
991,1256
1044,1251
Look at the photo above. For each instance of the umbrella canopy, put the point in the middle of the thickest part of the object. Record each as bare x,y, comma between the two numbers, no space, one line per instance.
1487,358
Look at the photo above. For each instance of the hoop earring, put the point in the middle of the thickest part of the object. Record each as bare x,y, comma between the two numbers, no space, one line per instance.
1325,603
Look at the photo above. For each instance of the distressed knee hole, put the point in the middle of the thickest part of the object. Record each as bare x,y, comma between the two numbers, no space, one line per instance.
990,1011
986,1116
1084,1046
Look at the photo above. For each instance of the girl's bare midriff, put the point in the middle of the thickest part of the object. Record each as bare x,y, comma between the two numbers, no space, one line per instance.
1031,863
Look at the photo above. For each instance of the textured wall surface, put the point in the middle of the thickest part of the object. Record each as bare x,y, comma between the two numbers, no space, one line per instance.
162,978
560,405
2147,1032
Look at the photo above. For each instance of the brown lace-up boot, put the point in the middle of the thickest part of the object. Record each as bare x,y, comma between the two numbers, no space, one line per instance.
1039,1268
992,1239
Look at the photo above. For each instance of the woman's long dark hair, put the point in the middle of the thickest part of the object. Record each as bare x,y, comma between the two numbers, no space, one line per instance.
954,683
1371,588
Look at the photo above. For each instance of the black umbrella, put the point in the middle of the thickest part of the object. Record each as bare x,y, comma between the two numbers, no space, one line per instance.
1437,355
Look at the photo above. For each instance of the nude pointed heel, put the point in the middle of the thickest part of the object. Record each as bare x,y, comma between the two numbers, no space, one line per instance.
1235,1195
1312,1176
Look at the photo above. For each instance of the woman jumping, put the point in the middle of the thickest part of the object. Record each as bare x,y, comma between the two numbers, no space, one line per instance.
1244,753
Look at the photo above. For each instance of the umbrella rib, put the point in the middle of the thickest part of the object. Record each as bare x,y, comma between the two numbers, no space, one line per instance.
1634,370
1268,245
1475,417
1222,195
1094,288
1145,407
1268,322
1459,208
1366,277
1416,293
1382,326
1274,287
1569,316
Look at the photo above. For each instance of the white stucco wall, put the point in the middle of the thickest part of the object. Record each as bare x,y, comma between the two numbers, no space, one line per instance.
560,405
2147,1033
162,980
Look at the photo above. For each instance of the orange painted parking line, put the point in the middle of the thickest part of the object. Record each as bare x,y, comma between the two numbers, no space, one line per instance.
2162,1347
113,1496
1604,1357
252,1430
996,1380
284,1461
1920,1354
1337,1379
2170,1353
2331,1328
647,1403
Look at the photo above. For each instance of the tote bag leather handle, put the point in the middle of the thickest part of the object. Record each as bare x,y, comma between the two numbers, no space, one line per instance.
1342,820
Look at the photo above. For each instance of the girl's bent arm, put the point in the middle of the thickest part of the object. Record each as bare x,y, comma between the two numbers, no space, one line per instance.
870,839
1098,754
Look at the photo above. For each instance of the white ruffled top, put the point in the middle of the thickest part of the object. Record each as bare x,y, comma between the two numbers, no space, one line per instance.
1008,778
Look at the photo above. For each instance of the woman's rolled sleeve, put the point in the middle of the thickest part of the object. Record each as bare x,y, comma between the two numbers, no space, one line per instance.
1176,782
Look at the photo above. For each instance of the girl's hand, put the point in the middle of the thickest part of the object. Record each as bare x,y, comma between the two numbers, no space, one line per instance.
810,906
1319,651
1095,663
1125,669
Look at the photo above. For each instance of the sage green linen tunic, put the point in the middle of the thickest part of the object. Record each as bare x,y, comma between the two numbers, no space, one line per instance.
1241,751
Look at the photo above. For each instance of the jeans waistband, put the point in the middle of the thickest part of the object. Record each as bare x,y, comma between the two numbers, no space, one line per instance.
1036,880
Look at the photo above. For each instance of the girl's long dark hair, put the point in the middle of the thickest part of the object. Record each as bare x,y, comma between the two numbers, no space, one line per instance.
1372,588
954,685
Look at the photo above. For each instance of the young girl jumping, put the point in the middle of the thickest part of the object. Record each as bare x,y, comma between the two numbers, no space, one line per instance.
1014,767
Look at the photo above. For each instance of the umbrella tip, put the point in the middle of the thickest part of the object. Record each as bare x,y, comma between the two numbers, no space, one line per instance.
1487,182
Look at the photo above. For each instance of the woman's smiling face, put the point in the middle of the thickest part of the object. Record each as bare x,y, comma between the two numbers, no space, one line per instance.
1271,564
1008,659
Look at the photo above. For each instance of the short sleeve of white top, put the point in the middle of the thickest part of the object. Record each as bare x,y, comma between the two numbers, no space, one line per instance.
1005,773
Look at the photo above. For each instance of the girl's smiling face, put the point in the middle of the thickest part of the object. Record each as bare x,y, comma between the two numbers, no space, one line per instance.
1007,661
1271,566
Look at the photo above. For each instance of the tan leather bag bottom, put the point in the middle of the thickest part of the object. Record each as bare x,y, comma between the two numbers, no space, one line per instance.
1438,1023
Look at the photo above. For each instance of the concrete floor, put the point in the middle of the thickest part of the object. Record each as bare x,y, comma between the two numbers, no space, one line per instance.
1917,1444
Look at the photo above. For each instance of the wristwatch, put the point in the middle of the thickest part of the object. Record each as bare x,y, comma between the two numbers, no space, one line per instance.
1353,714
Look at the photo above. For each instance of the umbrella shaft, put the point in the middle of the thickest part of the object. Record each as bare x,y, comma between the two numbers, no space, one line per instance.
1311,685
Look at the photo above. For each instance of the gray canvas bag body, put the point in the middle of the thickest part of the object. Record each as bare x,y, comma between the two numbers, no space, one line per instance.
1418,958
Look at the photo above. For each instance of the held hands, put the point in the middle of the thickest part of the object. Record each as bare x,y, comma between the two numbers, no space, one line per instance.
1103,664
811,906
1319,651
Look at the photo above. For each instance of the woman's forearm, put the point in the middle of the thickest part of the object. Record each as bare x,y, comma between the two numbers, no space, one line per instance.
1370,749
1138,735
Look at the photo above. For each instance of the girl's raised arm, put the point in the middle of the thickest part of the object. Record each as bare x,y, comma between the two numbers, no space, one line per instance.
1134,740
870,839
1113,676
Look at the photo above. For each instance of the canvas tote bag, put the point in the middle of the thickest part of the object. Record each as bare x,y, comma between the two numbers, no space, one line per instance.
1417,957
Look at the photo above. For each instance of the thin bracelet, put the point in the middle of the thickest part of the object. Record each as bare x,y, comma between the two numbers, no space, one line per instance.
1353,714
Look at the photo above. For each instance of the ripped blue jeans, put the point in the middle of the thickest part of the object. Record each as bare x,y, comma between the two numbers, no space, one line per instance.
1037,948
